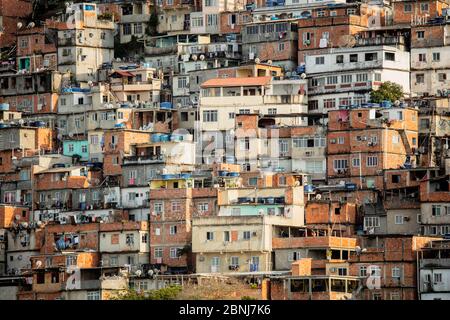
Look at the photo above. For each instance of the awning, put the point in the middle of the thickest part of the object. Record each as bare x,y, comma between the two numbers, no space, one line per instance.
122,73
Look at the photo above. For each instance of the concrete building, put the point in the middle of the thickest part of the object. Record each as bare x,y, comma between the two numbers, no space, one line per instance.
85,41
364,141
434,271
240,237
346,76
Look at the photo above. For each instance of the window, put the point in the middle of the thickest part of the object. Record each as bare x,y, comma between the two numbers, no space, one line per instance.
113,261
84,148
342,271
424,7
173,230
93,295
332,80
209,235
436,210
377,76
422,57
320,60
158,252
253,181
340,58
176,206
442,77
313,105
329,103
281,46
355,162
362,271
353,58
294,256
436,56
272,111
389,56
234,261
420,34
244,144
420,78
351,11
361,77
396,272
174,253
126,29
340,140
407,7
339,164
321,13
347,78
437,277
210,116
399,219
246,235
182,82
211,19
283,146
371,222
371,56
372,161
158,207
376,296
203,207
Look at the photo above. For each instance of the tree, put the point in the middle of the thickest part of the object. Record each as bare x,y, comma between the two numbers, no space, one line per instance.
387,91
167,293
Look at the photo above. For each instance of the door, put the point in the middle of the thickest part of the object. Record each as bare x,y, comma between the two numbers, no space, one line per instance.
215,263
254,266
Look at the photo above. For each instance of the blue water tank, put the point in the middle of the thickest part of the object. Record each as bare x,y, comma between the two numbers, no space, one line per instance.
166,105
309,188
4,106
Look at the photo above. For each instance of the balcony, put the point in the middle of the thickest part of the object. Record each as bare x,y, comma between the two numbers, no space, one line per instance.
354,86
398,40
144,159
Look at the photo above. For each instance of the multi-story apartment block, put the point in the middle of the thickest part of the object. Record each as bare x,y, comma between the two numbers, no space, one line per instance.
239,238
346,76
362,142
435,205
434,271
429,68
85,41
175,199
223,98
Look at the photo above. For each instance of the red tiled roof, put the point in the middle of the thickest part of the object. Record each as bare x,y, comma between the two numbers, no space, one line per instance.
236,82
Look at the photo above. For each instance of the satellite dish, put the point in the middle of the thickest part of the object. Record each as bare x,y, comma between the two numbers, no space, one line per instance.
257,60
21,122
150,272
31,25
397,103
17,217
202,57
118,59
90,83
39,223
70,134
138,273
318,196
303,75
19,25
194,57
24,224
270,62
38,264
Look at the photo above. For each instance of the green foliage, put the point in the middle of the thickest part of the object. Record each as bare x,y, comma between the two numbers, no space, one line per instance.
152,24
253,286
387,91
167,293
105,16
248,298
